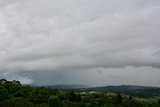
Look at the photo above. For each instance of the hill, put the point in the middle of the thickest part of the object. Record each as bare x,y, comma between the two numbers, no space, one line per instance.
134,90
129,90
65,86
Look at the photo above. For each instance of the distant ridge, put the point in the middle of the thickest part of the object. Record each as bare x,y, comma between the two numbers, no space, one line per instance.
129,89
124,88
68,86
136,90
103,88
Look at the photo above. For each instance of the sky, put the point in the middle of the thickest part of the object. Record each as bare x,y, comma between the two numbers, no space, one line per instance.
89,42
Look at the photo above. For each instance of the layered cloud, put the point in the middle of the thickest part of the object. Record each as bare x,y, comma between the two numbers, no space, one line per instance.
45,38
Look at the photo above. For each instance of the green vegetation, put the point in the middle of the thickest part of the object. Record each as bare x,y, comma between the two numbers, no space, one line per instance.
12,94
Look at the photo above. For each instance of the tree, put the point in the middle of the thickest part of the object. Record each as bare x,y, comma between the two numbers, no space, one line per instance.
72,96
94,103
130,97
54,101
78,98
3,93
118,99
16,102
159,101
39,96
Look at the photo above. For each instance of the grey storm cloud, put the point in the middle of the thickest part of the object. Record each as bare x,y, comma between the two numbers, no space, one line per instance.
54,41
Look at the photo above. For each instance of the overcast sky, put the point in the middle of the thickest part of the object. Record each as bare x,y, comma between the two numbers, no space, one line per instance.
91,42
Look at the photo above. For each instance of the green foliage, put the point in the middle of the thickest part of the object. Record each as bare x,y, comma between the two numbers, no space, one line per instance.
109,105
16,102
39,96
130,97
118,99
72,96
62,96
159,101
54,101
15,95
78,98
3,93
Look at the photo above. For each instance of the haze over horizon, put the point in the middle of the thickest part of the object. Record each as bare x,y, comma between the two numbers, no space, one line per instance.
91,42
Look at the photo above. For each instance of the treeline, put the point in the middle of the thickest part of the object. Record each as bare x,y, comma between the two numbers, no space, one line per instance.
12,94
